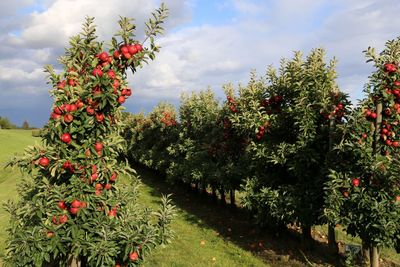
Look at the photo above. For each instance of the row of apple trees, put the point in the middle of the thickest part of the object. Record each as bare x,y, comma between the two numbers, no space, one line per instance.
292,142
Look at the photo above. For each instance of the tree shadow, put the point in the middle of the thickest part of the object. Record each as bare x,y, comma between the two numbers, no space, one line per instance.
277,247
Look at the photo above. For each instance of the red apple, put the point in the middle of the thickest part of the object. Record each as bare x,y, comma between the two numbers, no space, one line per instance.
115,84
63,219
132,49
98,146
133,256
98,186
390,67
355,182
94,176
57,111
76,204
107,186
139,47
127,55
55,116
74,211
79,104
111,74
99,117
90,110
113,177
49,234
124,49
121,99
103,56
68,118
116,54
66,138
44,162
62,205
73,108
112,213
97,72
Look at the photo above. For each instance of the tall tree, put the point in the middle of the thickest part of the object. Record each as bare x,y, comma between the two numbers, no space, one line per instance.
74,211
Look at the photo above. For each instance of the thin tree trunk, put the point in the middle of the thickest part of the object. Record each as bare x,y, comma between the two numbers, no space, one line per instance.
374,253
306,236
222,192
214,193
232,197
332,239
365,254
204,189
73,262
374,256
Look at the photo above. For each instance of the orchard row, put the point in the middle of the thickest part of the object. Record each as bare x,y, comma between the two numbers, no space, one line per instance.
292,143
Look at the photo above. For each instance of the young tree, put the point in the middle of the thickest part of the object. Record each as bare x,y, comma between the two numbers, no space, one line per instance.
363,193
25,125
291,143
74,211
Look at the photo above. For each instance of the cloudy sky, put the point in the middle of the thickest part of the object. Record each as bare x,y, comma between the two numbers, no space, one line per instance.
207,43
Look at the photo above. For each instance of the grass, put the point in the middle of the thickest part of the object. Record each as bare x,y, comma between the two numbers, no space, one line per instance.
11,142
207,233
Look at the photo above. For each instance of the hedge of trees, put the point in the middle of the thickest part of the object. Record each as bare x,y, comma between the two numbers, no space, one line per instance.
291,141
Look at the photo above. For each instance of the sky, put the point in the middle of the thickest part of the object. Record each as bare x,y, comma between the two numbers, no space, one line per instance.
206,44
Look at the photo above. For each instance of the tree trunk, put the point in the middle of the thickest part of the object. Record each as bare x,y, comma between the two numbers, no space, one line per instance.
374,256
306,236
365,254
204,189
214,193
332,239
222,192
73,262
232,197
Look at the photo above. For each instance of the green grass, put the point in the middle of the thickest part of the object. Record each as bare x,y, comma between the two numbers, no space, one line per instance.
11,142
196,243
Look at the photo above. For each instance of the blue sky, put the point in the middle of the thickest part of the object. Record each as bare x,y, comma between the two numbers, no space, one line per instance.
207,43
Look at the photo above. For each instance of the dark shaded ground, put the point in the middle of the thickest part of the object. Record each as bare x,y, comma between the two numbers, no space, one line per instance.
277,248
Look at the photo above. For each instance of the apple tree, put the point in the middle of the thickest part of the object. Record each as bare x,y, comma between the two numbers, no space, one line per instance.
291,143
363,194
74,208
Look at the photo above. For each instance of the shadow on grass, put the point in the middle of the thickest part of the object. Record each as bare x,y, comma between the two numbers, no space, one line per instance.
277,248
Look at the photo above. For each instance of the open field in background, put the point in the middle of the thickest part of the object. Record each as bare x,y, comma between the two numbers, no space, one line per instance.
207,234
